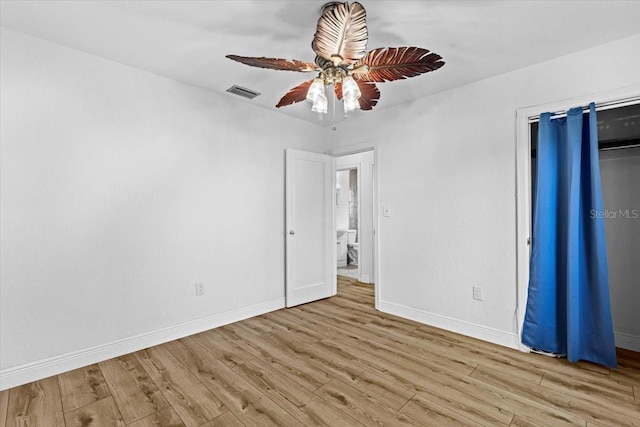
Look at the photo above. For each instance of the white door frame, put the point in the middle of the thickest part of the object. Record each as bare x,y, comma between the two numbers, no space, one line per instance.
524,116
372,146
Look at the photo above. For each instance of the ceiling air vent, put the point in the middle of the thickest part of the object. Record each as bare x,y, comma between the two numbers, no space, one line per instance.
243,92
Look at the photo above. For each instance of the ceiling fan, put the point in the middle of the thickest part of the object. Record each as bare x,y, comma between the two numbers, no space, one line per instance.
340,44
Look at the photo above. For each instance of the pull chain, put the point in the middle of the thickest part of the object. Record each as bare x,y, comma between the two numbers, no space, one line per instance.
333,127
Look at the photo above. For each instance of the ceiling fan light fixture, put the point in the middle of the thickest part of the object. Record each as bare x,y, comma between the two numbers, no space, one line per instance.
350,88
350,103
316,91
320,106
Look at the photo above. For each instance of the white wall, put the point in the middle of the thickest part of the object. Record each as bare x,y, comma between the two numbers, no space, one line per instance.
119,190
446,168
620,172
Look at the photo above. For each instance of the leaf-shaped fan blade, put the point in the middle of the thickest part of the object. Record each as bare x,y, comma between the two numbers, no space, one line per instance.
342,34
369,95
338,89
297,94
276,63
395,63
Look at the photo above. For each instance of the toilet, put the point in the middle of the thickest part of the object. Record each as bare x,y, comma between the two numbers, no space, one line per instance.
342,248
352,247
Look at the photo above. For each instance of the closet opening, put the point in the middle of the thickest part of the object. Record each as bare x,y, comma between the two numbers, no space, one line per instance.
619,158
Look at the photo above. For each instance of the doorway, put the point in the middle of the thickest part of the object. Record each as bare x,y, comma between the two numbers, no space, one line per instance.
310,227
354,216
347,214
619,139
619,154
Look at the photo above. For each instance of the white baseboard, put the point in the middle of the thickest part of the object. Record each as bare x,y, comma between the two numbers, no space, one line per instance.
629,342
365,278
485,333
40,369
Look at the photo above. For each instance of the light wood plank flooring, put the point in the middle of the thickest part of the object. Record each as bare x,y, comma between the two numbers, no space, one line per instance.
335,362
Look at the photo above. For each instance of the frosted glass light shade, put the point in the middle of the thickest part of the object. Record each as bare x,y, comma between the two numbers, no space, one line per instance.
316,91
350,103
320,106
350,88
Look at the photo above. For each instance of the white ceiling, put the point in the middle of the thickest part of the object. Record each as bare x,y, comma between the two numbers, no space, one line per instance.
188,40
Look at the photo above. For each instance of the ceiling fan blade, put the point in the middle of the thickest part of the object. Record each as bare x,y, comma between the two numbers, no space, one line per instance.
369,95
396,63
296,94
341,35
276,63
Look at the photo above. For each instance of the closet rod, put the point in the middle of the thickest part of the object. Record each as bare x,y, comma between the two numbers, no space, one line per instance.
599,107
620,147
617,147
607,146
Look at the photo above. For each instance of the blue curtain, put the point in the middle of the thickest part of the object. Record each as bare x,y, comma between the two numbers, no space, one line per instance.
568,306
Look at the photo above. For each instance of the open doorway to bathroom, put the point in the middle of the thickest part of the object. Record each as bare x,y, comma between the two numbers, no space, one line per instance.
354,215
347,223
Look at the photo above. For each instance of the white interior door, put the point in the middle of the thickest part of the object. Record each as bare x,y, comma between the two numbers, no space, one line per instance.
310,236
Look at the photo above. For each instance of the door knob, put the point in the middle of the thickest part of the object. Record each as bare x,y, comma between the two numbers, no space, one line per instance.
292,232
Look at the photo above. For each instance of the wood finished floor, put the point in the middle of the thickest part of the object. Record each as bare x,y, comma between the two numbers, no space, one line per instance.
335,362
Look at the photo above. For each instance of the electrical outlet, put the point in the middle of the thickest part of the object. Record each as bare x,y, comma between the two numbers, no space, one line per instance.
477,293
200,288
